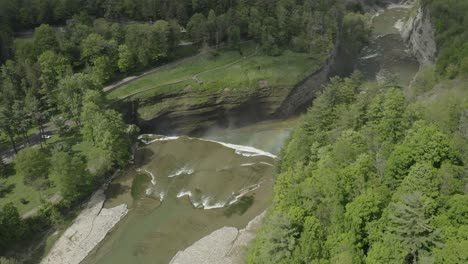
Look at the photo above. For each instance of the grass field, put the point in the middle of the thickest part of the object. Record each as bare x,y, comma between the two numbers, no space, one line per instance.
229,69
17,190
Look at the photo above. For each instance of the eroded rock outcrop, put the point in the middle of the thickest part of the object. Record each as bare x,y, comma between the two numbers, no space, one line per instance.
419,34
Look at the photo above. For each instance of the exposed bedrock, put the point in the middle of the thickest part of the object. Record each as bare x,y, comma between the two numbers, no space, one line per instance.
419,35
193,112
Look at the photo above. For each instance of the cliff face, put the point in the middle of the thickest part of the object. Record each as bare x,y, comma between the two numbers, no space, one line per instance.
419,34
193,112
372,4
304,92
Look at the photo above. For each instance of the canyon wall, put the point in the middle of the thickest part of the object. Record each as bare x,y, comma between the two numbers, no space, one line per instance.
419,35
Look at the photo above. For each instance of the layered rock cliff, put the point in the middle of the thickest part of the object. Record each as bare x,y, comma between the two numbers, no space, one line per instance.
192,112
419,35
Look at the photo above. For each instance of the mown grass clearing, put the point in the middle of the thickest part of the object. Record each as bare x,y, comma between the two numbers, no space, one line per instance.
26,197
229,69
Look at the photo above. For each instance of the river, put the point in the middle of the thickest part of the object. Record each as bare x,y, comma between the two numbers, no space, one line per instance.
181,189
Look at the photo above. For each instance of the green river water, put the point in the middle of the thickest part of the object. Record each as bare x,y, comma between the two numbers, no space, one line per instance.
192,187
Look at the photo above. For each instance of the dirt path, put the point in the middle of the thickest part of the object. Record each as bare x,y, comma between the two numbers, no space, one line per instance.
130,79
54,199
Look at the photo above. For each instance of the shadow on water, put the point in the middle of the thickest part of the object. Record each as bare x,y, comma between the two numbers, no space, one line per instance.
144,156
240,207
116,189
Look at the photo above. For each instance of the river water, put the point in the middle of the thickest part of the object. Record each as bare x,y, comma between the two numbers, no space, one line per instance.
192,188
181,189
387,56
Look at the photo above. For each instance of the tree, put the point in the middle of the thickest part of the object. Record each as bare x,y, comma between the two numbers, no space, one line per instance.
234,37
110,135
423,143
92,47
21,119
11,226
159,40
211,26
73,178
411,225
33,165
126,60
198,28
103,69
53,68
148,43
356,32
310,248
3,168
388,114
278,241
44,39
105,128
7,126
361,212
37,111
70,97
4,260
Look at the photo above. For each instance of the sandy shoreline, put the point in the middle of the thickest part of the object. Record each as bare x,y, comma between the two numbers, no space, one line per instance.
88,230
227,245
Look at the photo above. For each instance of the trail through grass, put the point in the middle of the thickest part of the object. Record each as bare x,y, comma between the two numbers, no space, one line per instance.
229,69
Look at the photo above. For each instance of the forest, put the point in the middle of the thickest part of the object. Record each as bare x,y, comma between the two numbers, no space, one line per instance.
377,173
371,177
450,22
57,55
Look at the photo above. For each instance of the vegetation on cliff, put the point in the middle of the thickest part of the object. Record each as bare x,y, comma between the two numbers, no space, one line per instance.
451,26
371,177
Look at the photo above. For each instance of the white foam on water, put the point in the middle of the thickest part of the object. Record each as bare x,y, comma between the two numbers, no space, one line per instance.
405,5
159,138
207,206
153,178
181,171
161,196
266,163
246,151
370,56
247,164
149,190
399,25
206,201
244,191
184,193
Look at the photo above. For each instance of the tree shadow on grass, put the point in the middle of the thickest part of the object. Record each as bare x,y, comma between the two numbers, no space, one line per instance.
6,189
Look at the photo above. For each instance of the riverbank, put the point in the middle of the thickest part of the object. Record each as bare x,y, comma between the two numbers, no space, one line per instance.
88,230
227,245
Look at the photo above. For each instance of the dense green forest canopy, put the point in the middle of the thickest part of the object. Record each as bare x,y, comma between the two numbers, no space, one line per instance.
450,20
372,177
377,173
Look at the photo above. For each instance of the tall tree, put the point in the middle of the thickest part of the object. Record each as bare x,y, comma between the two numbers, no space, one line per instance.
32,164
70,94
412,226
74,179
44,39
